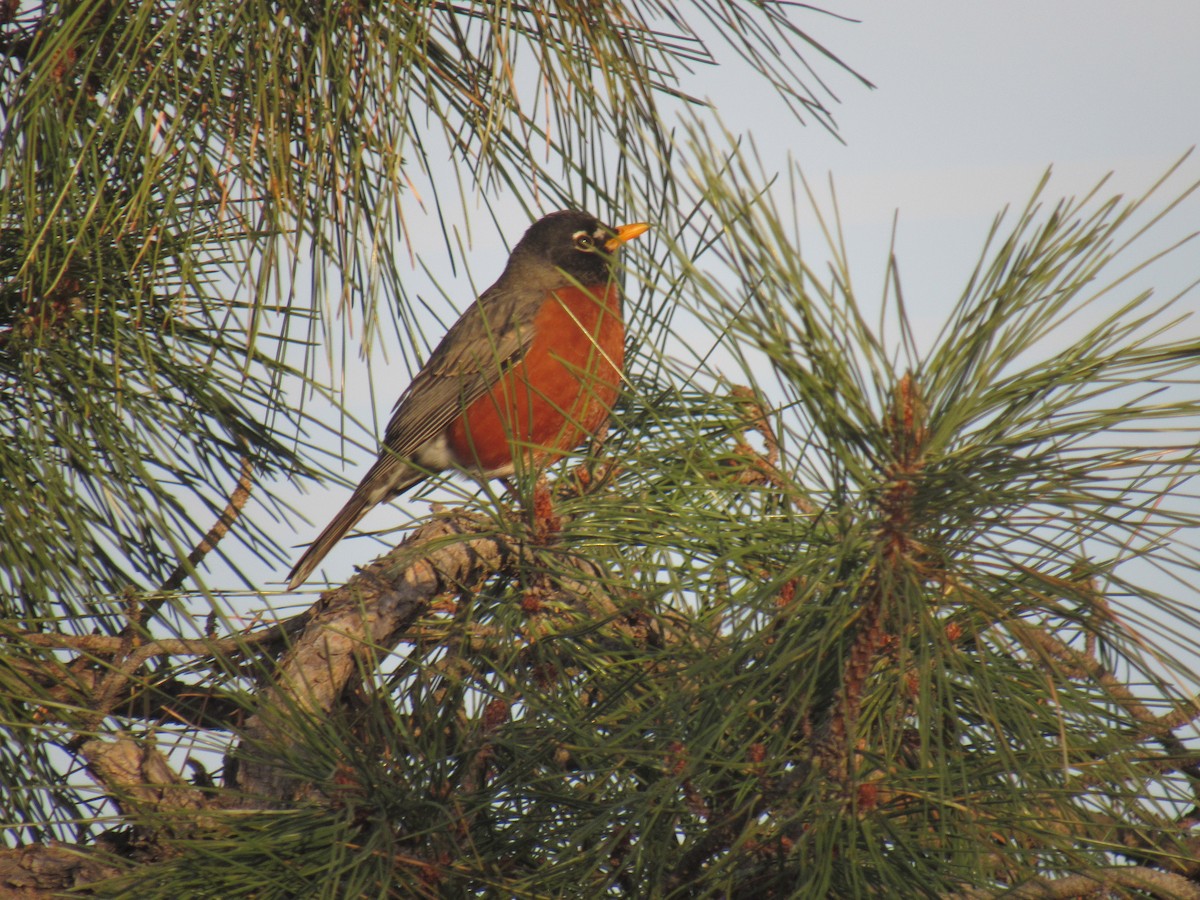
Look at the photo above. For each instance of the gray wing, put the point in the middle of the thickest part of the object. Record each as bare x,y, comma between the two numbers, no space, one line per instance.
490,336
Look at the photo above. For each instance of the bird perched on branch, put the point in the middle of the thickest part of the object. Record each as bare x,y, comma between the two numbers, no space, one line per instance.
529,371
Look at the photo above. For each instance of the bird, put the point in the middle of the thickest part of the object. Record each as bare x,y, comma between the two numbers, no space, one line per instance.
528,372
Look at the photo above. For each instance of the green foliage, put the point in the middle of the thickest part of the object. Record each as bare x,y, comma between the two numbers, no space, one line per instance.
904,658
170,173
193,197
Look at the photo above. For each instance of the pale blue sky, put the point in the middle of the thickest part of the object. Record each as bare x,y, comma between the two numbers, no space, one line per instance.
990,93
973,101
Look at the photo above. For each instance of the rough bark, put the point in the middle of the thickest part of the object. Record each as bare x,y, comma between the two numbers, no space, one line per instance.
349,628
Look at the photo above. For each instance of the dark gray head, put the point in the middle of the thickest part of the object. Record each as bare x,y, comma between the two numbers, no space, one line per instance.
576,243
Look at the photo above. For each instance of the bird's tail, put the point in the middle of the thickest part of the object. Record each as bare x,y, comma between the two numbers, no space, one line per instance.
356,507
387,479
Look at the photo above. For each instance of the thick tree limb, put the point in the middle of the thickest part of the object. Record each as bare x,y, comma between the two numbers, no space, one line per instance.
1096,883
352,626
45,870
141,782
139,779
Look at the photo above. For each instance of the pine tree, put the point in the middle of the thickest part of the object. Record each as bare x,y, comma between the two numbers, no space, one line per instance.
871,615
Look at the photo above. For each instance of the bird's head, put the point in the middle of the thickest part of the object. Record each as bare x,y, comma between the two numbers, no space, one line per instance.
575,243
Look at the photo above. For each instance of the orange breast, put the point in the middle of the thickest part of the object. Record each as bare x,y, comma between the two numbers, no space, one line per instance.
559,394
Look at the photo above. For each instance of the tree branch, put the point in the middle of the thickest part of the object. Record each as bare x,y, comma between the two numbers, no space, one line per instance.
355,624
139,780
45,870
1095,883
229,515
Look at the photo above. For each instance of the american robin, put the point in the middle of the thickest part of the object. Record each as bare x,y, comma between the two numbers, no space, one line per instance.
529,370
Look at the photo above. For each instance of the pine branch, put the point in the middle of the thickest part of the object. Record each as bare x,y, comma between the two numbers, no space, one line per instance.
1098,882
46,870
351,627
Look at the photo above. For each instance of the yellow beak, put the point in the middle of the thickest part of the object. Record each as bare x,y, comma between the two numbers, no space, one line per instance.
626,233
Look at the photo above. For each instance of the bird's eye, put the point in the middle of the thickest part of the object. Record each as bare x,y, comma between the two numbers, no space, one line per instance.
584,242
